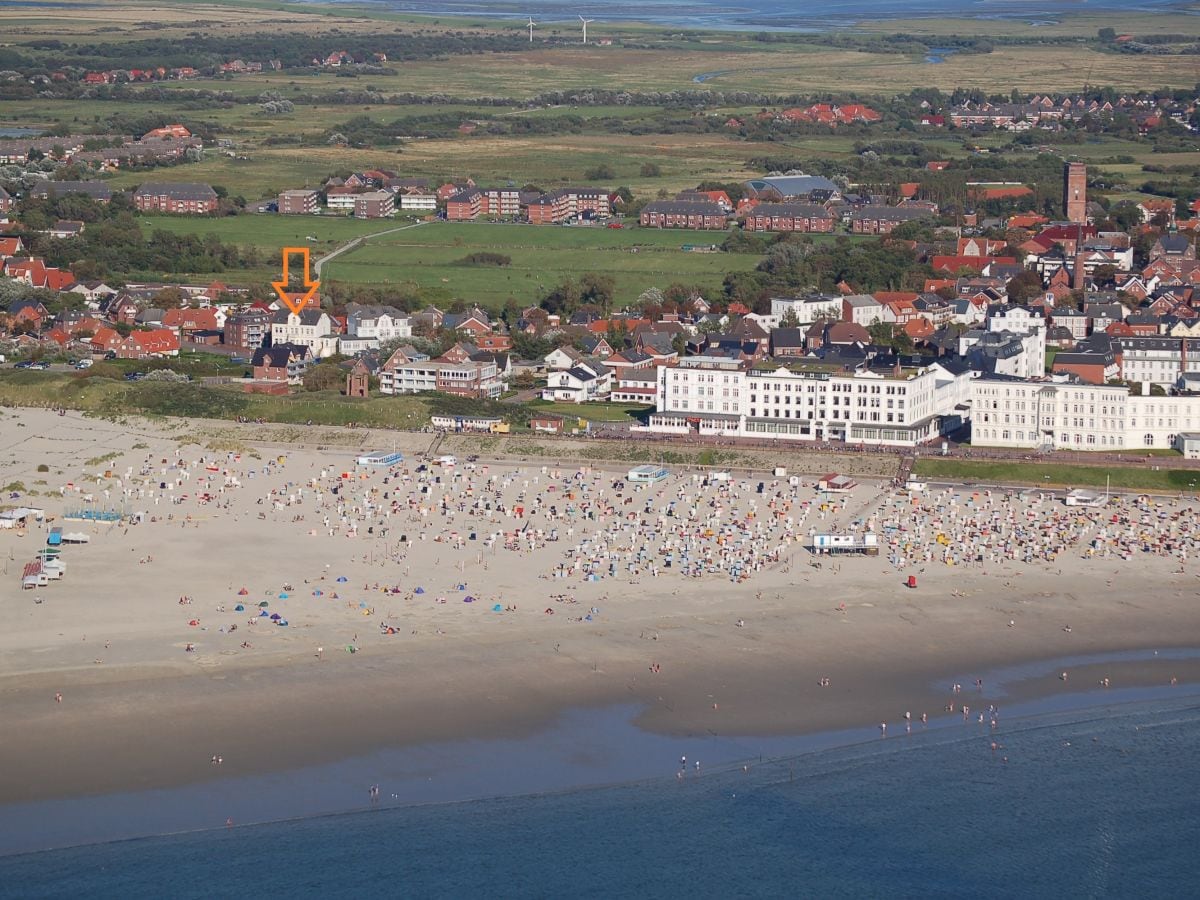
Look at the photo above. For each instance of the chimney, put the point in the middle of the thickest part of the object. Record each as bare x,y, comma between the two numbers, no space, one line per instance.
1077,279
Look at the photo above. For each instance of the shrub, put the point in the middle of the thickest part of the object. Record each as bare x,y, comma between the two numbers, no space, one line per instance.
486,259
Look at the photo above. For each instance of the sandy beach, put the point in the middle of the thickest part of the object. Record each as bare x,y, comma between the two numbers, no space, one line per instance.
572,601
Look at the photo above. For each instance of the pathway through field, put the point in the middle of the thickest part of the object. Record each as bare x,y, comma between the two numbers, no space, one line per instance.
358,241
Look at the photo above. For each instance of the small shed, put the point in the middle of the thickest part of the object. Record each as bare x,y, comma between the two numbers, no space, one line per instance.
1081,497
547,423
1188,443
20,516
836,484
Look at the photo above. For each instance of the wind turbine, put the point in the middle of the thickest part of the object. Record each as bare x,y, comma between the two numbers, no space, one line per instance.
530,26
585,25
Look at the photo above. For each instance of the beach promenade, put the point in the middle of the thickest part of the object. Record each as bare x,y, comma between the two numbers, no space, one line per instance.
279,606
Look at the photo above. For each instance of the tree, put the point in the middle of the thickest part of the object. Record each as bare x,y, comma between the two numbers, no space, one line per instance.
597,290
650,170
324,376
1024,287
881,333
602,172
562,299
1107,35
652,296
789,319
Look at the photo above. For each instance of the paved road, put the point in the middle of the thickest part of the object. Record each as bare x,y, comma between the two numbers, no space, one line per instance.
357,242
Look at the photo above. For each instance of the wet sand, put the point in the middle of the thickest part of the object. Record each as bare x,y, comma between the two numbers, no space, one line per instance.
150,714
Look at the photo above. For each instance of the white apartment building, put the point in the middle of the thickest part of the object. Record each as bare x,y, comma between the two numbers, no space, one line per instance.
341,202
585,382
1060,415
311,327
1157,360
862,309
466,379
807,309
1032,328
418,202
810,402
379,324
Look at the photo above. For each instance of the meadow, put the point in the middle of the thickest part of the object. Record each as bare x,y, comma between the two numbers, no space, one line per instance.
1058,475
430,259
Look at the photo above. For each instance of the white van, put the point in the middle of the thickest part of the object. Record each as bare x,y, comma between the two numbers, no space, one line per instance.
447,461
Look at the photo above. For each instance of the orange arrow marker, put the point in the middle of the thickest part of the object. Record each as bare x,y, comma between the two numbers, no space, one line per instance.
310,286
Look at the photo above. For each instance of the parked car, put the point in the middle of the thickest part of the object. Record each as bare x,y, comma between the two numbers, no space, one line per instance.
24,364
83,364
40,366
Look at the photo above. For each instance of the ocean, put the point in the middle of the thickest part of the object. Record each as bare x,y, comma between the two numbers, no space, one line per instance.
1092,802
771,14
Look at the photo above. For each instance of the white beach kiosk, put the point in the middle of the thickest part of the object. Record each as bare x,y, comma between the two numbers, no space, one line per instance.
380,458
647,474
866,544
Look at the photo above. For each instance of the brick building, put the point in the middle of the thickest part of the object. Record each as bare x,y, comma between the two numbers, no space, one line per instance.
97,190
1075,192
180,198
248,330
683,214
465,205
298,203
789,217
375,205
284,363
500,202
884,219
565,204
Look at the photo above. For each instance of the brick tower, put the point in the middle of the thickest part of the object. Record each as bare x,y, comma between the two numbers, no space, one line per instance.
1075,193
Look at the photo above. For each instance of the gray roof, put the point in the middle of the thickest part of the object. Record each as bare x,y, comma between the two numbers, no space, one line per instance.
1174,243
177,190
277,356
787,337
685,208
792,210
591,343
97,190
792,185
861,301
891,213
633,357
308,317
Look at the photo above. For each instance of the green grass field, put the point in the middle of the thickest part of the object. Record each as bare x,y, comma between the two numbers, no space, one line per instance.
1056,475
108,397
596,412
429,258
270,232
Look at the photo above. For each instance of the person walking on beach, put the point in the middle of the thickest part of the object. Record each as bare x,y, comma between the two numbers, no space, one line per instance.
58,696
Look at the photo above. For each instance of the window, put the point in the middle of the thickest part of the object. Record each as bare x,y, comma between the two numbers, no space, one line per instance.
1148,440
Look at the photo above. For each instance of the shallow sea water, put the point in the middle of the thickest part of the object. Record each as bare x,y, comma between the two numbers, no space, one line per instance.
768,14
1097,802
